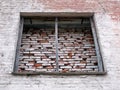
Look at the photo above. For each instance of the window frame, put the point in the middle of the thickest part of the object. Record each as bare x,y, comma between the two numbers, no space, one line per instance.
96,42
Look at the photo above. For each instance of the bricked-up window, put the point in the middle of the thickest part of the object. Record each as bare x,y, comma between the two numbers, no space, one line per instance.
58,45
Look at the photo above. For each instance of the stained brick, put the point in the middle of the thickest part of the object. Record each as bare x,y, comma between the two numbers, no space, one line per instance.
76,52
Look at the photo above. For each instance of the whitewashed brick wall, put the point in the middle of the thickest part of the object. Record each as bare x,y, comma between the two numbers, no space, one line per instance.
108,31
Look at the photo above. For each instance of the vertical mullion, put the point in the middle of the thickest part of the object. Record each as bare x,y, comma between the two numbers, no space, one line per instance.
18,45
99,57
56,43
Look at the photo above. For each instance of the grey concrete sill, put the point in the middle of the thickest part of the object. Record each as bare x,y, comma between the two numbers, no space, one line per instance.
60,73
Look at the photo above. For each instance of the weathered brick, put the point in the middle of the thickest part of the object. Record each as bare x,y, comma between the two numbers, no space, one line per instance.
66,67
107,18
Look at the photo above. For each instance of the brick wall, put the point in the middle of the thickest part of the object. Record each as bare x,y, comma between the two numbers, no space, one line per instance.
76,51
107,18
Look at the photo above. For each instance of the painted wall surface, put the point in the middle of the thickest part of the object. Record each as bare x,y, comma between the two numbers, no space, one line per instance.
107,18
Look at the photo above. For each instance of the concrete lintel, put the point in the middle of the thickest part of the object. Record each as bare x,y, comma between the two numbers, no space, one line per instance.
58,14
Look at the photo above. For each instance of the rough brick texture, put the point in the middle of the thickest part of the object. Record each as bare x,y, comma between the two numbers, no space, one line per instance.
76,51
107,18
37,51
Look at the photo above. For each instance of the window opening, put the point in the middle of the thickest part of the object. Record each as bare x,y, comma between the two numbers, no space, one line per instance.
58,45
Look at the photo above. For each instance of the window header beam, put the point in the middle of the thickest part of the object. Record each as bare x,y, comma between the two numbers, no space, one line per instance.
57,14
